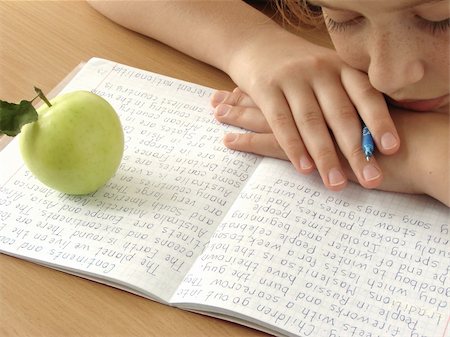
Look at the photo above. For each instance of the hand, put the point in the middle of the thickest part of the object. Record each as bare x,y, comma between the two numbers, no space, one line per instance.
420,167
247,115
304,91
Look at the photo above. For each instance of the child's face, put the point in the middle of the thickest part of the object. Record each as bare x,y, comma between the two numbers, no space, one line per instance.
403,45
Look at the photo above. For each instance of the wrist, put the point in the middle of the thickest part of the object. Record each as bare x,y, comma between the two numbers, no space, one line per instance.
250,48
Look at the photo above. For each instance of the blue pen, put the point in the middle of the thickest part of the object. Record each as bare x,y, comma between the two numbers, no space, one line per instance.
368,146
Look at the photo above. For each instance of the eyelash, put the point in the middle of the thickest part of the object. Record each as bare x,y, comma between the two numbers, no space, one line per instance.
434,27
339,27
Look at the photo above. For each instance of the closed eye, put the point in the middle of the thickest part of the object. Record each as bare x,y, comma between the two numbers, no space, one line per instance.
338,27
434,27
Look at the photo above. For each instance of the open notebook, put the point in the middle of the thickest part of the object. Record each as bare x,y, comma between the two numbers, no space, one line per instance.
189,223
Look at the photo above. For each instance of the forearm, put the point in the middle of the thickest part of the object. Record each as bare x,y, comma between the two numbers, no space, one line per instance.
422,165
430,167
209,31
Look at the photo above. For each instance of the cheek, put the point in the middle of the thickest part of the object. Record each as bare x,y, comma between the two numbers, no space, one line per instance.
438,61
351,51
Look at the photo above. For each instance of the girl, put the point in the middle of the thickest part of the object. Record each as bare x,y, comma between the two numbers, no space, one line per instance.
312,98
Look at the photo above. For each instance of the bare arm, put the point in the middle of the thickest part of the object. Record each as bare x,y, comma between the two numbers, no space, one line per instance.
206,30
303,90
423,162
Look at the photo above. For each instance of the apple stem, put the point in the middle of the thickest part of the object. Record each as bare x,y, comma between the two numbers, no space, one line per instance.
41,95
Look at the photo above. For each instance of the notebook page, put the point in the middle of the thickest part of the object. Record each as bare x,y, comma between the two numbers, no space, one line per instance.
145,227
310,262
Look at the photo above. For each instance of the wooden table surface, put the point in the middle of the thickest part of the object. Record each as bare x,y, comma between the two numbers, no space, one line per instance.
40,43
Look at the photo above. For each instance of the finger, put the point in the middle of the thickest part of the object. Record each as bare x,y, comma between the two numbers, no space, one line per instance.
316,136
372,108
244,117
235,97
342,118
283,124
279,117
264,144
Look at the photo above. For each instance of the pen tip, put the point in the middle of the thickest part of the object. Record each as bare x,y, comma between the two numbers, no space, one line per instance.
367,158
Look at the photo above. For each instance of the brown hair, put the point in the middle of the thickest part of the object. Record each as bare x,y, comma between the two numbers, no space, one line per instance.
299,13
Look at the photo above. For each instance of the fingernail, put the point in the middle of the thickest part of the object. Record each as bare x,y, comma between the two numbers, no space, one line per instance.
388,141
335,177
219,96
230,137
222,109
305,163
371,172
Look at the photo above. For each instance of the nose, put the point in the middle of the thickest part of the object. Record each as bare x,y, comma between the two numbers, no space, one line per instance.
395,64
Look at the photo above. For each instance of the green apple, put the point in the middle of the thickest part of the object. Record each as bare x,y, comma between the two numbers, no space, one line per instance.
76,144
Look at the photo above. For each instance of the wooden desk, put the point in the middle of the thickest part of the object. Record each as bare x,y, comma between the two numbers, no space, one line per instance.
40,43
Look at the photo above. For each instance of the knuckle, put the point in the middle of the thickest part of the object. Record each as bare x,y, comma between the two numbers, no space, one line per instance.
324,154
355,153
237,96
317,63
346,112
367,89
291,145
310,62
383,121
280,119
310,118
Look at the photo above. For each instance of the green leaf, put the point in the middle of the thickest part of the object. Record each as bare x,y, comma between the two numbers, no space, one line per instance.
14,116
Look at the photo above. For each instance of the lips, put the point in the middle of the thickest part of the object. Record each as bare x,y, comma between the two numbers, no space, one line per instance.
420,105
